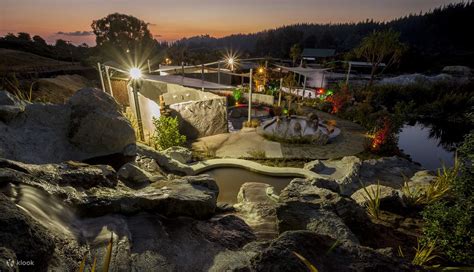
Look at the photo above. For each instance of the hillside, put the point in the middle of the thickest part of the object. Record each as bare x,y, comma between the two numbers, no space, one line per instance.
14,60
438,37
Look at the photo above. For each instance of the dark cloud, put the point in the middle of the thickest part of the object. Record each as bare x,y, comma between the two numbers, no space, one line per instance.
76,33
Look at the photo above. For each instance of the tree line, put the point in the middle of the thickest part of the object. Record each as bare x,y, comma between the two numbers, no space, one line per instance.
434,39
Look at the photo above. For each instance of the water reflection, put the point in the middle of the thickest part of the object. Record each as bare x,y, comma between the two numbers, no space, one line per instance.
432,144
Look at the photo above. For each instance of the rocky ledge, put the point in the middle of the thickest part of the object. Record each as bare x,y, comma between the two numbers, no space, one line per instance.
163,217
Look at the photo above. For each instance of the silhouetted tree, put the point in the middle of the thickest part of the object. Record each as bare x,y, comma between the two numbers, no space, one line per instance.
125,35
295,52
39,41
379,47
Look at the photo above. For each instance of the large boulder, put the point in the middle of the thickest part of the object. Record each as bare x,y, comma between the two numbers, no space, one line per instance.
136,176
179,153
193,196
24,236
349,174
89,125
308,207
96,125
304,216
10,106
164,161
324,253
202,117
457,70
339,175
69,173
95,190
390,199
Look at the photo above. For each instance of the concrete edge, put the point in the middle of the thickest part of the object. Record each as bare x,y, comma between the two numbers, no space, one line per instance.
203,166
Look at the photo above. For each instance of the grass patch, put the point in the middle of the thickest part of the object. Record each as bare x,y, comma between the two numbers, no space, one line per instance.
372,198
257,153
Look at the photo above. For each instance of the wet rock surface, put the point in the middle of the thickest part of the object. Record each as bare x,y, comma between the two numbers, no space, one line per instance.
23,236
257,206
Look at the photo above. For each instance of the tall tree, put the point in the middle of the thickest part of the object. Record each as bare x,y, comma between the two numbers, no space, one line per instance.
23,36
123,35
39,41
295,52
379,47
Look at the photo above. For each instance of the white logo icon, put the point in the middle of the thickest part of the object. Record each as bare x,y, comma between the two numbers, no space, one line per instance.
10,262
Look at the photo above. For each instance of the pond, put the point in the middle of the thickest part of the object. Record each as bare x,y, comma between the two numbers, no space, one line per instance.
230,180
431,144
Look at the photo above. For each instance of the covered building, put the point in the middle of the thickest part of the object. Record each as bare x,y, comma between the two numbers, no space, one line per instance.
315,54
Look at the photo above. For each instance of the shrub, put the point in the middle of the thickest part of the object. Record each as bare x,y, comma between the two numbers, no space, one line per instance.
167,133
237,94
385,140
449,221
340,99
252,124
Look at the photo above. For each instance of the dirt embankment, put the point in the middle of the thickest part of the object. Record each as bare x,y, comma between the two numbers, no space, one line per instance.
59,89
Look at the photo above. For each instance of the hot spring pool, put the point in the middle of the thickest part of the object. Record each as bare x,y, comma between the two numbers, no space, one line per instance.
230,180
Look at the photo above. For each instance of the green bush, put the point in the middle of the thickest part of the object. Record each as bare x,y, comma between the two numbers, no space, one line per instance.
449,222
167,133
237,94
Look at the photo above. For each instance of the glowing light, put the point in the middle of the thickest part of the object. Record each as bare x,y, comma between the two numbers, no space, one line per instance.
135,73
321,91
231,59
260,70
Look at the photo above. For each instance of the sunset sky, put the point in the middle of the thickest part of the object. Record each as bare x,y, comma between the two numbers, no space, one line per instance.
173,19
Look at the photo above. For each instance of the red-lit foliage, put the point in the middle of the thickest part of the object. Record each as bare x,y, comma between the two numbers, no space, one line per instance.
381,135
385,138
339,99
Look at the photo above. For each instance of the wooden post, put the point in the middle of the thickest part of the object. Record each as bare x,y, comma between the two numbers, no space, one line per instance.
101,77
202,77
219,72
182,72
304,88
348,73
322,79
250,96
279,93
135,90
108,80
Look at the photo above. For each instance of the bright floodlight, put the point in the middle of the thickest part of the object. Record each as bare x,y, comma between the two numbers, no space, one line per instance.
135,73
230,61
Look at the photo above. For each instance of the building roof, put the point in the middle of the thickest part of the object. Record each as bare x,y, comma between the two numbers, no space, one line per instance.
187,82
303,70
318,53
364,64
